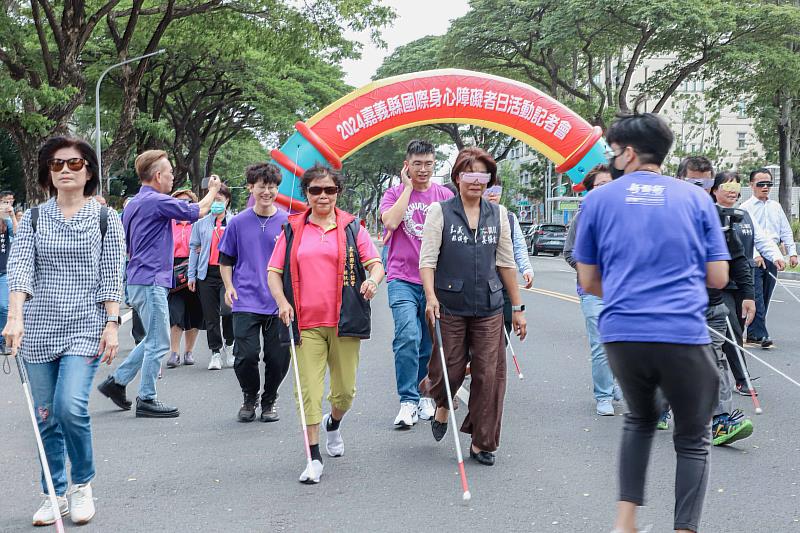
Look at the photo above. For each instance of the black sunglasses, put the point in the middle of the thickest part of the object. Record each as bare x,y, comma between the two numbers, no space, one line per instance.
75,164
316,191
762,184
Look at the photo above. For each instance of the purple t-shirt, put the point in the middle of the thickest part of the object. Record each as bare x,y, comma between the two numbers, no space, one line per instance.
250,239
148,235
406,240
651,237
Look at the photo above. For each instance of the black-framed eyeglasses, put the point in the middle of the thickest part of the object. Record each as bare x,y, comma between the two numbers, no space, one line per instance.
74,164
316,191
764,184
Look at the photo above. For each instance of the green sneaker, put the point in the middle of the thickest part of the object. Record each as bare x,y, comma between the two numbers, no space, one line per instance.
662,421
727,429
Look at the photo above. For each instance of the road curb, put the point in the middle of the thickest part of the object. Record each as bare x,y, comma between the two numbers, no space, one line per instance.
789,275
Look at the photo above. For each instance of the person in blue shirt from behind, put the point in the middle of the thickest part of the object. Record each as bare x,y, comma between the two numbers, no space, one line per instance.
649,245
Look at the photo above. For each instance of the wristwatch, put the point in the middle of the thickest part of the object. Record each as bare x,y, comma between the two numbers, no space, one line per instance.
114,318
518,307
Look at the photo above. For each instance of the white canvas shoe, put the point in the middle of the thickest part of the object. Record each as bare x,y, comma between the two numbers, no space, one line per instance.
312,473
216,362
407,416
44,516
426,408
81,503
334,444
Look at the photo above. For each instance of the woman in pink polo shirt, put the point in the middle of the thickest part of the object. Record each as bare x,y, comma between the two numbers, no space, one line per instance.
324,270
185,311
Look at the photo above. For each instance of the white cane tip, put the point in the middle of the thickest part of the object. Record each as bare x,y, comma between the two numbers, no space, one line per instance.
759,410
467,496
521,376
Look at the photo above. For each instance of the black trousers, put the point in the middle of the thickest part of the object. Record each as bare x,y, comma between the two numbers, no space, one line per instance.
689,379
733,301
212,298
246,328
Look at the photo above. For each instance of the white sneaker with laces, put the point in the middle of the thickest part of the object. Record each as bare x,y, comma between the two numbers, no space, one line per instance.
81,503
312,473
44,516
216,362
426,408
407,416
334,444
229,358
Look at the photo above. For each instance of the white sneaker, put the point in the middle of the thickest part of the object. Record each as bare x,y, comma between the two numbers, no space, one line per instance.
81,503
334,444
229,358
44,516
312,473
407,416
426,408
216,362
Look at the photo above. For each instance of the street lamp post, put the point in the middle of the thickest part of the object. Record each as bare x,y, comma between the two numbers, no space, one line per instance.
97,112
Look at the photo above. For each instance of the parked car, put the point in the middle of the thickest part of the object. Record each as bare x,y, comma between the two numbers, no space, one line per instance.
546,238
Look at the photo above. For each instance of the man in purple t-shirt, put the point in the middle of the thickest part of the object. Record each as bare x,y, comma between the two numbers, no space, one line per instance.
244,255
403,211
148,235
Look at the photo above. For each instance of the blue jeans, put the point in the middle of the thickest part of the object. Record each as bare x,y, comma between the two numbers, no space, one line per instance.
412,339
764,285
60,392
3,305
602,376
150,301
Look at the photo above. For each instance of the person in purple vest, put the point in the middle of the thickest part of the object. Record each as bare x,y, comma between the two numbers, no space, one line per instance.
148,235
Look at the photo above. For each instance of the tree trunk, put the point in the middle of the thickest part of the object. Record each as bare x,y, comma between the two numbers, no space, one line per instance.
785,153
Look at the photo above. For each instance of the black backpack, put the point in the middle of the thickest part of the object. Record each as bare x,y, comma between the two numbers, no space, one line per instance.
103,220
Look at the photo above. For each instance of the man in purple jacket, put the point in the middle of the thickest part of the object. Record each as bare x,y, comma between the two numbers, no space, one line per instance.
149,241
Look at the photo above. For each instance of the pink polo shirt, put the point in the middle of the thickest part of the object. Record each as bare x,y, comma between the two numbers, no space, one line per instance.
181,232
318,261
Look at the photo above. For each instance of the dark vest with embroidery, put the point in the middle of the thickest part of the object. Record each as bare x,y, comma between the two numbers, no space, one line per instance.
355,312
466,279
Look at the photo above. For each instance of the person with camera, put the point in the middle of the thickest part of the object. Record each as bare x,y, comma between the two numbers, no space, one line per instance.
728,424
757,245
7,226
148,235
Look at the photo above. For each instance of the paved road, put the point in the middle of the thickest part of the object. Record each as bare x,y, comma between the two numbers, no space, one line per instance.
555,472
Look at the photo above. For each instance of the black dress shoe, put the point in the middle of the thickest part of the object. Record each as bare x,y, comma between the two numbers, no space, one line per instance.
154,409
115,392
766,342
439,429
484,458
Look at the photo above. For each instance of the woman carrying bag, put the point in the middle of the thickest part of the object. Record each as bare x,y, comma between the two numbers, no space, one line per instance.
65,280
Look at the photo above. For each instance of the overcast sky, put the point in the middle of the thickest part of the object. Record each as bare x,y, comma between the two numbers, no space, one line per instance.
415,19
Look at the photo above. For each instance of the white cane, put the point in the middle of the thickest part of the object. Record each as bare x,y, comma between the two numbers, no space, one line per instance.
48,478
300,396
744,368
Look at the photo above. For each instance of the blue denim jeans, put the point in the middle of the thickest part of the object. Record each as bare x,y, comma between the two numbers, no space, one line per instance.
412,339
602,376
3,305
150,301
60,392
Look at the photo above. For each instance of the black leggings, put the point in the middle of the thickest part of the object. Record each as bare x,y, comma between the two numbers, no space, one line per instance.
688,377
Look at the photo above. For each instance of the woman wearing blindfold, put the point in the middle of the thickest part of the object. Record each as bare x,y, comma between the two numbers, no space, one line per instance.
726,191
466,259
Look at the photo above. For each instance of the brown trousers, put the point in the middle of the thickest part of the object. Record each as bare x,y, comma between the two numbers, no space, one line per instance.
483,339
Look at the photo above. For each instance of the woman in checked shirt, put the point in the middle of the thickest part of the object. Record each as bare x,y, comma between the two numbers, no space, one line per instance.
65,284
